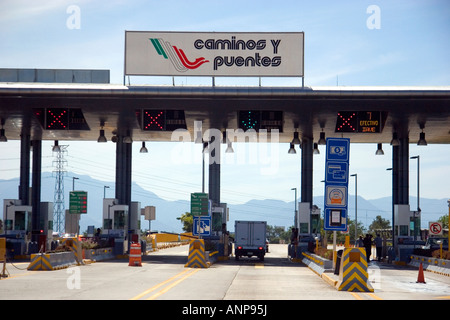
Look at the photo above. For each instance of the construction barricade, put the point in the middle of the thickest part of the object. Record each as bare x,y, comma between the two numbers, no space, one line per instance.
135,255
197,255
353,275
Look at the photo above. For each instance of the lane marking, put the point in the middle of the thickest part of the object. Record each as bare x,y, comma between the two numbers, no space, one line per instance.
156,295
356,296
374,296
259,265
159,285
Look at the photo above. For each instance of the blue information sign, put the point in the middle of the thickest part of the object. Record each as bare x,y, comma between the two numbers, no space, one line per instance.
336,183
201,226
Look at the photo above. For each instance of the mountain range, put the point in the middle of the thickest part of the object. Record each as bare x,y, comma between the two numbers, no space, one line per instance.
275,212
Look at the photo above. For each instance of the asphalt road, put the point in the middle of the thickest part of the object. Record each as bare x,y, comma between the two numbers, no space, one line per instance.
164,277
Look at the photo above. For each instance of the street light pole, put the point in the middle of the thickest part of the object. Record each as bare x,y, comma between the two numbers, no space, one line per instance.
104,191
418,198
73,182
295,212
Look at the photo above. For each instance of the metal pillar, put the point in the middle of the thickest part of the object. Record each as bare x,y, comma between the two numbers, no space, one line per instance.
36,190
214,170
25,146
307,170
123,171
403,172
123,177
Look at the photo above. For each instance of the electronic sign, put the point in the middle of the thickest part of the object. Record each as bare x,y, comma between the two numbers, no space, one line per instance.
78,202
161,120
359,121
256,120
61,118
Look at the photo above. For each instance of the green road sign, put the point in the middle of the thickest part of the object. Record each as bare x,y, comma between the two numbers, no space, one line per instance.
78,202
199,204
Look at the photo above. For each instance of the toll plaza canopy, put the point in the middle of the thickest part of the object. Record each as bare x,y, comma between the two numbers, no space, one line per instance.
78,111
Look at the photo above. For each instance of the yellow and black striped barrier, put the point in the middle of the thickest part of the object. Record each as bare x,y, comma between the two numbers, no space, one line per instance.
75,247
51,261
353,274
197,255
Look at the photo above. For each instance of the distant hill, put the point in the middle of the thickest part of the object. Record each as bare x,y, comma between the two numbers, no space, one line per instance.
275,212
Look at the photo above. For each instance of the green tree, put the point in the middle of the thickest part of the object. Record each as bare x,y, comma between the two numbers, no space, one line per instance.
275,234
444,221
379,224
187,219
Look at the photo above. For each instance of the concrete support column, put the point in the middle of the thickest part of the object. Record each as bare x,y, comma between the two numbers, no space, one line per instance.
123,171
24,186
36,189
307,170
214,169
400,174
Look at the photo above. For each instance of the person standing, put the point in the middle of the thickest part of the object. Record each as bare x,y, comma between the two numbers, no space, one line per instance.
368,245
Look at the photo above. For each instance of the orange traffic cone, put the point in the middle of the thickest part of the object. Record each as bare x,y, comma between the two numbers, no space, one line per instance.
421,278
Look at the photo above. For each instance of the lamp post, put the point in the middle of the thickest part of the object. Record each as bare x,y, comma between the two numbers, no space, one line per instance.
73,182
295,206
356,207
416,219
104,191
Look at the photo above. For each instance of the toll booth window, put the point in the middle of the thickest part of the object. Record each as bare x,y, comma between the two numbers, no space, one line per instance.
304,227
8,224
119,219
107,223
404,231
21,221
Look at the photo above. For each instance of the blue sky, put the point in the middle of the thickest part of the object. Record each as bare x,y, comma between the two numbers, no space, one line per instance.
410,48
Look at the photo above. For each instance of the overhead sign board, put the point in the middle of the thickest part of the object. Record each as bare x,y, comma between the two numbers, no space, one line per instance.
234,54
336,183
359,121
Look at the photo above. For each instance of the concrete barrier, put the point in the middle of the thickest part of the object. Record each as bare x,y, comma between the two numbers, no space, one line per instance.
353,274
440,266
51,261
197,255
317,263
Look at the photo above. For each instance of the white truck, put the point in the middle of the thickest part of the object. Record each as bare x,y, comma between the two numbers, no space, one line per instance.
250,239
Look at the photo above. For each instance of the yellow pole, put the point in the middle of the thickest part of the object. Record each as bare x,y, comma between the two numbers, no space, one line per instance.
448,224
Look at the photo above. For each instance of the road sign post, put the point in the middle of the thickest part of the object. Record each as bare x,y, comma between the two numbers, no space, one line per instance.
201,226
336,184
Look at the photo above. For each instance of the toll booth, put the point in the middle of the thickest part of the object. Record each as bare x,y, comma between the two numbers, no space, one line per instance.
46,234
120,223
115,224
18,229
406,231
309,219
308,228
